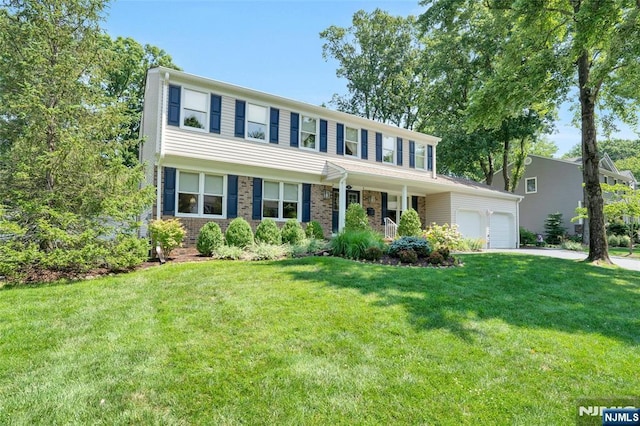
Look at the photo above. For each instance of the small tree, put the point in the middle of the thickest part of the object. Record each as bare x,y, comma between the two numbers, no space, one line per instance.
410,224
168,234
356,218
239,233
624,202
554,230
268,232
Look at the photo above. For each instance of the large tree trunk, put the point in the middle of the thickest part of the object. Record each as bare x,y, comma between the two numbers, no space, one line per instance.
598,251
505,163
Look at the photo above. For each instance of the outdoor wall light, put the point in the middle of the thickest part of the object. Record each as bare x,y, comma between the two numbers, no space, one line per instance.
327,194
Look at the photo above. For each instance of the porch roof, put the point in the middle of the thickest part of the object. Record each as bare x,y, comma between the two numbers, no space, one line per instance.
390,178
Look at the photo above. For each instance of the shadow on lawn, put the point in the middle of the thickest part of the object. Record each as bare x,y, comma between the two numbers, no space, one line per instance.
521,290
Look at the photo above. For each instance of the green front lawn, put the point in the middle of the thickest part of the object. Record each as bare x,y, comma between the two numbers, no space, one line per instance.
506,339
624,252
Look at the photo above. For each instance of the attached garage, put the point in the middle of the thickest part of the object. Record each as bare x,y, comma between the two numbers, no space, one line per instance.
502,230
470,223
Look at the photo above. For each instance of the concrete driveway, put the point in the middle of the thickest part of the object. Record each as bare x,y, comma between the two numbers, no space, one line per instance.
632,264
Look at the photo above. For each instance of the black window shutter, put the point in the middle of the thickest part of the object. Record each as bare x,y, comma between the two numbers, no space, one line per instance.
240,114
412,154
173,118
169,194
216,114
429,157
295,125
232,196
323,135
379,147
274,125
383,207
340,139
364,141
399,151
414,202
257,199
306,202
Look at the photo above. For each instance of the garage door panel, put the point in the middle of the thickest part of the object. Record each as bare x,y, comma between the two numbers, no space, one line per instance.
469,223
502,231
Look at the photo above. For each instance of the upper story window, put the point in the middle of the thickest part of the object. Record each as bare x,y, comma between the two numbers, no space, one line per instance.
280,200
257,122
308,132
388,149
351,142
604,179
194,109
421,156
531,185
200,194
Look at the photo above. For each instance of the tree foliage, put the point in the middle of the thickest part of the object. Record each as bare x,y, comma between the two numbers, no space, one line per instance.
623,202
592,46
379,55
64,180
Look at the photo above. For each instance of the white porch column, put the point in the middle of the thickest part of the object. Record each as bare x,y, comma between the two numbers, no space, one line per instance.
342,202
404,198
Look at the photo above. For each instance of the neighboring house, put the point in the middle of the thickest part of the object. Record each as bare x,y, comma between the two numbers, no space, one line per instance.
216,151
551,185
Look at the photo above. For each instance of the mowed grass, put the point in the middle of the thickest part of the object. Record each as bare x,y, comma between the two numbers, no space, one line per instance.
506,339
624,252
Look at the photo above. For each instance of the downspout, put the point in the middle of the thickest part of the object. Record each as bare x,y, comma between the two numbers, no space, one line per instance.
518,222
163,120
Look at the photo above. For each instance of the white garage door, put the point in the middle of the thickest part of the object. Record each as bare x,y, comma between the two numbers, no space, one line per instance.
469,223
502,231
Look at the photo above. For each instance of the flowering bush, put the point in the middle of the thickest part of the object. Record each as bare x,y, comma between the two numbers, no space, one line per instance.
446,236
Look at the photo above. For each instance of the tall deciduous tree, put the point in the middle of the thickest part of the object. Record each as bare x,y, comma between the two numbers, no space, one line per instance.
63,177
462,43
623,203
379,57
554,45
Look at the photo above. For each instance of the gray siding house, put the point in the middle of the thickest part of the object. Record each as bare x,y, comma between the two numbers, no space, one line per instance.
216,151
551,185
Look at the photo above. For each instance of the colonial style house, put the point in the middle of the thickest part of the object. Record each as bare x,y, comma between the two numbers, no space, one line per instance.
216,151
551,185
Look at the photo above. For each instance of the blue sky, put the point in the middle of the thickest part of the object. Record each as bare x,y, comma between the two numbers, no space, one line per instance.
267,45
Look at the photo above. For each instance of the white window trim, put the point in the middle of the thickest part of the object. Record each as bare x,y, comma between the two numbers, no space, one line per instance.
266,124
207,111
300,131
281,201
395,147
201,195
358,148
526,187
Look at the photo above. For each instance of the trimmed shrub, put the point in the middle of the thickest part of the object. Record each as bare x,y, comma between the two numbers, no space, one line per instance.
292,232
436,258
239,233
527,238
613,241
408,256
410,224
268,232
127,252
314,230
373,253
624,241
168,234
443,236
471,244
618,228
418,244
209,238
356,218
444,252
353,244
